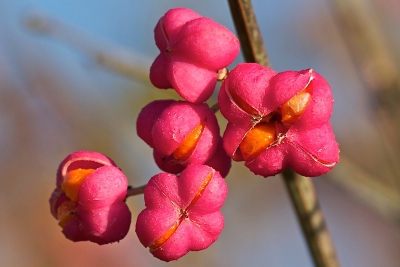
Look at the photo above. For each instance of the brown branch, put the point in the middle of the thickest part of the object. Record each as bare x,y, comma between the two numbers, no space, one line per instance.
133,191
311,218
249,34
300,188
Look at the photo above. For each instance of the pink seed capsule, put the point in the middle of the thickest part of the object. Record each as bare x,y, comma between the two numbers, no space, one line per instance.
148,116
89,200
188,132
192,51
279,120
182,213
220,161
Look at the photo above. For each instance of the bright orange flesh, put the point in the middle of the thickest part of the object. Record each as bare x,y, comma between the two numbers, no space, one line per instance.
257,140
159,242
295,107
74,181
242,104
65,212
186,148
202,188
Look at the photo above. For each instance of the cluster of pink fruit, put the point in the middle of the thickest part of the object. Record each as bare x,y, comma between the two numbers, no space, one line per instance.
275,121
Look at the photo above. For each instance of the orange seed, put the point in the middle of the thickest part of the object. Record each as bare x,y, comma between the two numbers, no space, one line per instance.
295,107
159,242
186,148
65,212
257,140
74,181
202,188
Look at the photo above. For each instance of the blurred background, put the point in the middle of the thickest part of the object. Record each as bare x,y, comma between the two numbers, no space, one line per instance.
74,75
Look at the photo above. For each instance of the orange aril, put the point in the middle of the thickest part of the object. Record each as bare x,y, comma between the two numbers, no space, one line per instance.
159,242
295,107
74,181
65,212
186,148
202,188
257,140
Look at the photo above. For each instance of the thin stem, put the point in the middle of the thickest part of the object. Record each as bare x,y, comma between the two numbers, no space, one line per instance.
133,191
214,108
249,34
311,218
301,189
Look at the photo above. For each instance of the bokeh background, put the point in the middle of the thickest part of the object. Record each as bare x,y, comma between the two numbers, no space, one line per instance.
73,76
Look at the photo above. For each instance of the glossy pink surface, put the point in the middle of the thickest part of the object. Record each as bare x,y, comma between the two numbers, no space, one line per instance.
170,199
192,50
308,145
165,124
101,215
